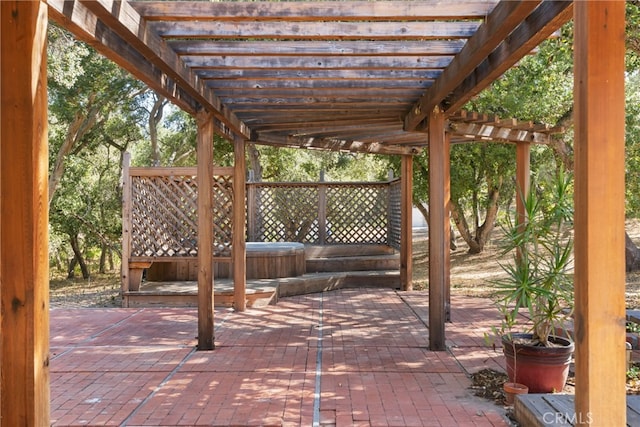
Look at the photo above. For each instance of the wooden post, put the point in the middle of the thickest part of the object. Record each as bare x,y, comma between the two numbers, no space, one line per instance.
438,228
406,233
599,212
239,246
126,227
206,339
24,238
447,242
523,181
252,207
322,210
523,177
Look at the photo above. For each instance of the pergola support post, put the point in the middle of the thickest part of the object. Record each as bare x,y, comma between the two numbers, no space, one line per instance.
24,209
239,245
206,339
523,181
406,238
599,212
439,194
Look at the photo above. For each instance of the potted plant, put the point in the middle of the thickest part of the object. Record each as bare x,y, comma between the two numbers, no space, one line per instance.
539,283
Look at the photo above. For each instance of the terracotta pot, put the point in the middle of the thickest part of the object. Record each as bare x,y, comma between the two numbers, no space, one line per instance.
511,389
542,369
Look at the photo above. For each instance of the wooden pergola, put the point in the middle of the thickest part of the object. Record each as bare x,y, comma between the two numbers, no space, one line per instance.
376,77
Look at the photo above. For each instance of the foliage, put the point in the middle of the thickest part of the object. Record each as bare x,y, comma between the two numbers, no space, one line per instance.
295,165
538,279
632,143
93,118
178,144
540,89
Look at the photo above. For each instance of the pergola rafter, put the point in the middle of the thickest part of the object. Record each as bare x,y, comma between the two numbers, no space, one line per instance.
392,60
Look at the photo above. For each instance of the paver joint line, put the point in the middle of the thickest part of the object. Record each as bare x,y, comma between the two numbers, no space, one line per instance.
318,386
97,334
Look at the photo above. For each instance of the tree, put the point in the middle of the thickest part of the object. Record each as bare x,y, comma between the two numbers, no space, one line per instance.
93,119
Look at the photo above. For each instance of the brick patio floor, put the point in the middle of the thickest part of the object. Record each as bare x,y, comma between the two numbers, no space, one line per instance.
353,357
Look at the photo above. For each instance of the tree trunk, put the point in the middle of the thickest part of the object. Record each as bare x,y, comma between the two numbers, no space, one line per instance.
71,272
75,245
478,241
155,116
103,259
632,254
453,244
483,232
110,258
254,161
463,227
82,123
562,151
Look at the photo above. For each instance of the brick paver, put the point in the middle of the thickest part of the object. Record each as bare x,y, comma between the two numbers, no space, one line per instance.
353,357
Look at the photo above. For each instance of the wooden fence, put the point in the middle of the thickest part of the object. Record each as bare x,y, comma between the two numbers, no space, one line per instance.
160,213
324,213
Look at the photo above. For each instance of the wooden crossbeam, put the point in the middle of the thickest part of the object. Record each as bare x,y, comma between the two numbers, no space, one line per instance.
324,74
122,33
306,48
530,32
333,144
317,30
264,85
502,21
318,62
309,11
488,132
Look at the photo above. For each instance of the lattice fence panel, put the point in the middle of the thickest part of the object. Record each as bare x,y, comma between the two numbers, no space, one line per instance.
164,216
287,213
357,214
395,214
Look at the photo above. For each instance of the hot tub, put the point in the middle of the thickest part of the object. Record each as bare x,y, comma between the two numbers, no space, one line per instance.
265,260
271,260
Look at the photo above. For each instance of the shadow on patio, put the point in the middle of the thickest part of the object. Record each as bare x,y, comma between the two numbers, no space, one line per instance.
348,357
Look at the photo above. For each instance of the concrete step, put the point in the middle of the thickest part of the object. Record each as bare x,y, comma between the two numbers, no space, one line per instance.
328,281
353,263
259,292
332,251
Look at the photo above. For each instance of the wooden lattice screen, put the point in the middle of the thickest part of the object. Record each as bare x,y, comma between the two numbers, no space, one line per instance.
395,214
164,214
323,213
162,218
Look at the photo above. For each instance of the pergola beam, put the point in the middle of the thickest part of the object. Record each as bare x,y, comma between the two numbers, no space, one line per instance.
487,132
306,48
503,19
76,18
532,31
310,11
333,145
121,20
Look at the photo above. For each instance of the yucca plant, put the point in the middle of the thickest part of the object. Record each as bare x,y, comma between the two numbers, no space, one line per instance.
539,279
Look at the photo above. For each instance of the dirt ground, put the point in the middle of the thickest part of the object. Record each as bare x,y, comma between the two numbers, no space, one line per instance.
472,275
